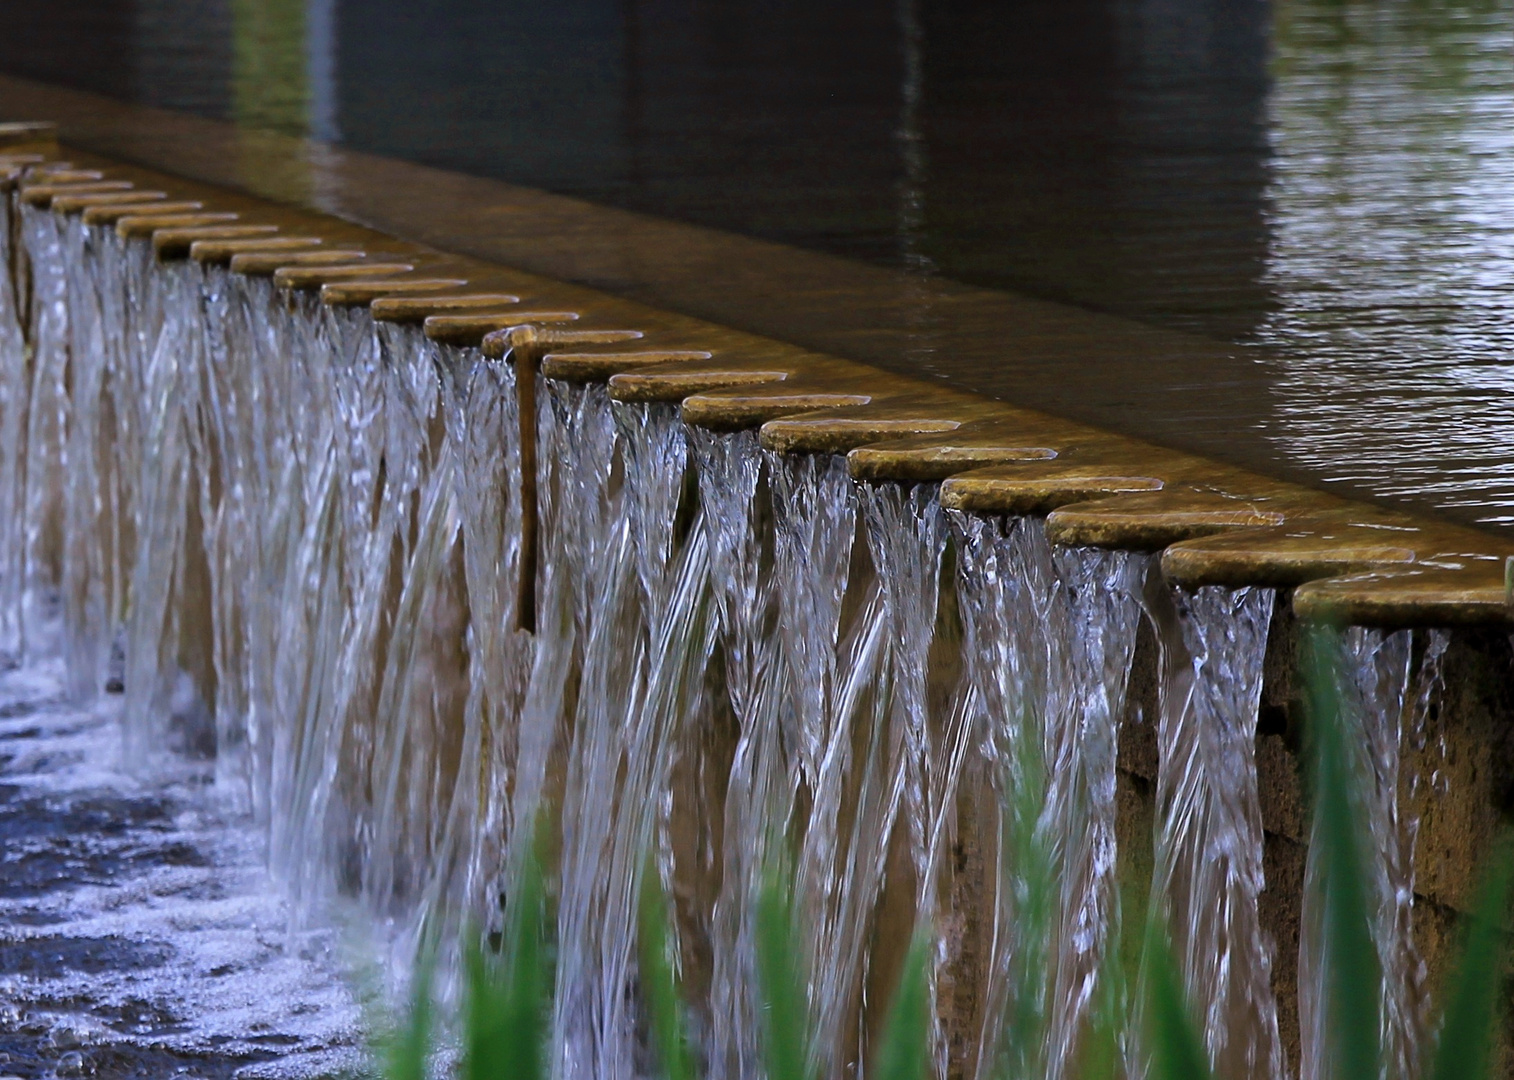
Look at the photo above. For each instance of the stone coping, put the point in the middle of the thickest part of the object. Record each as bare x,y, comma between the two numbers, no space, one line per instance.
1215,523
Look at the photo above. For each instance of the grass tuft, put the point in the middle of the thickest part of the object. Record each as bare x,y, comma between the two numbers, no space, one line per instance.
905,1052
1177,1052
1353,973
506,1010
659,980
786,1035
1468,1027
407,1049
507,996
1028,876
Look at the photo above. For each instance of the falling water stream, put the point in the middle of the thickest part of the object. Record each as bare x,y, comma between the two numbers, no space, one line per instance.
1209,834
1374,675
284,546
1050,634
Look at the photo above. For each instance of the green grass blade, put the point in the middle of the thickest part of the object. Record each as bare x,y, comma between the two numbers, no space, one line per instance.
1099,1057
781,990
406,1050
486,1038
531,985
1177,1053
1353,974
659,982
1467,1033
505,1029
1029,877
905,1053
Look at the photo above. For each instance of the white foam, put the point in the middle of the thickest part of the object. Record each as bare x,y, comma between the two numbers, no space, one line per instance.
185,885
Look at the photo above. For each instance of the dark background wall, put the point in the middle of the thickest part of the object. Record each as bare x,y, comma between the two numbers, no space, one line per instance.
1105,152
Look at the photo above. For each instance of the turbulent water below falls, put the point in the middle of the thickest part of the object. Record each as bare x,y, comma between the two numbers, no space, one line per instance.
140,936
292,539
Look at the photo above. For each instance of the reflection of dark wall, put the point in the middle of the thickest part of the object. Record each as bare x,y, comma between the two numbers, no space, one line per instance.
80,43
1195,160
1107,152
775,118
532,92
184,55
1110,152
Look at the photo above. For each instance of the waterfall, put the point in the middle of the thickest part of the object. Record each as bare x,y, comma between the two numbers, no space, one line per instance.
44,463
15,398
483,426
833,670
1372,675
826,668
169,680
1050,635
295,539
915,760
734,491
1209,839
646,637
302,611
87,571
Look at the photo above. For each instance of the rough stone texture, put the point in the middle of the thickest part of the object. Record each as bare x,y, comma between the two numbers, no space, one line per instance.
1465,768
1457,780
967,922
1281,907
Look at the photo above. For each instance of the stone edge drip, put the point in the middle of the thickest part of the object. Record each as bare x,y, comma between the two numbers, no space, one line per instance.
1215,524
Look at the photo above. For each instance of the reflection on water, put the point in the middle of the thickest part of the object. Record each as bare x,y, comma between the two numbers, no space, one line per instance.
1392,249
270,72
1107,152
1316,191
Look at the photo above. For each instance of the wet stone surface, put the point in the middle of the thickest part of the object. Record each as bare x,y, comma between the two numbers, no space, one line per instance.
139,935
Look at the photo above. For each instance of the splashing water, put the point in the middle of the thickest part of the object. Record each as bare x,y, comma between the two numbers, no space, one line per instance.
292,538
1050,635
1373,685
139,939
1209,839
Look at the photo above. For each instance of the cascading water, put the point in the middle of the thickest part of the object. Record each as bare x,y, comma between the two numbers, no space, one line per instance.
733,488
1050,634
44,463
86,571
169,679
833,709
479,405
827,759
1209,838
293,537
645,633
911,769
1372,675
15,398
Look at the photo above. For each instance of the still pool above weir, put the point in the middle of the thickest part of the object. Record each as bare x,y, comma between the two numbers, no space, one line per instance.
1269,233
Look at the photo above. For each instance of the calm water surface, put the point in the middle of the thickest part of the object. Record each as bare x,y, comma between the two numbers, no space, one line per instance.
1390,261
1323,185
